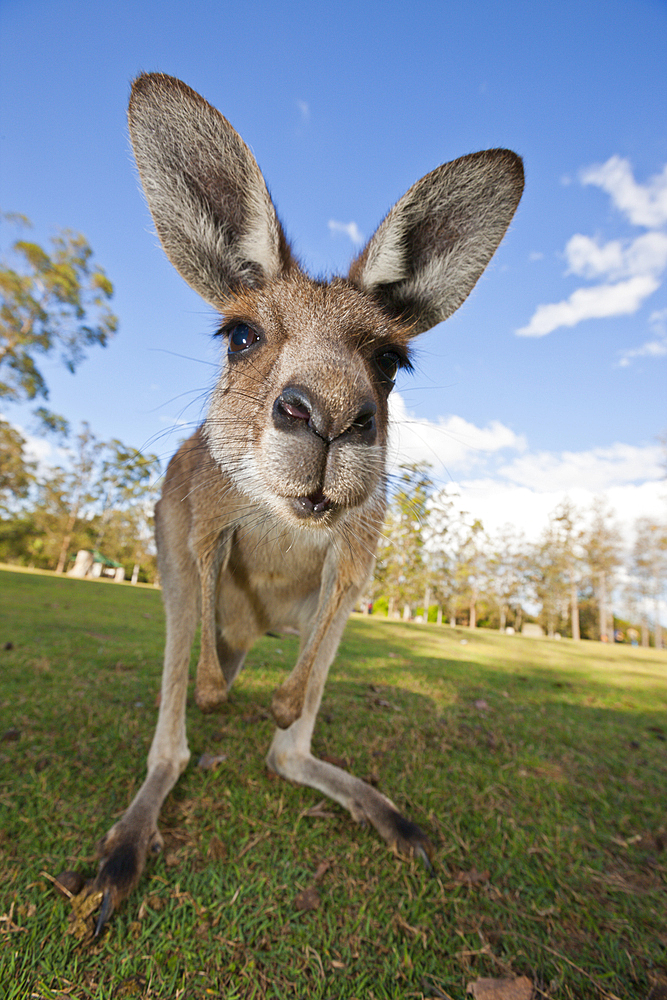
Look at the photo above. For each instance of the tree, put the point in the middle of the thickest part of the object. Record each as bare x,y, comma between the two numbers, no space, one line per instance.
437,534
401,567
17,471
549,577
103,494
602,547
469,566
49,302
566,520
649,567
127,479
82,484
506,569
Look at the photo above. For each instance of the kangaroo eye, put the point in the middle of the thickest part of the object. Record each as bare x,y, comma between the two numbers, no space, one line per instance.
240,338
389,363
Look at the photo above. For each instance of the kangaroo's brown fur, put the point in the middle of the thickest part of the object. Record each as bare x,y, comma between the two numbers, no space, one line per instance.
271,512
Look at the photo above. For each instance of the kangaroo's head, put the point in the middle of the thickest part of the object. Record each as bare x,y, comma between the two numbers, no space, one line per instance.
298,419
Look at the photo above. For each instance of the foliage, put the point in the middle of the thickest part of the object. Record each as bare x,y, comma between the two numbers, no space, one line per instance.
507,572
532,765
50,302
602,545
431,552
17,471
469,569
401,565
100,497
649,564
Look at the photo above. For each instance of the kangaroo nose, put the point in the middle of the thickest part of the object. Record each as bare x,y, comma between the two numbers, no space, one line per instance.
296,408
292,405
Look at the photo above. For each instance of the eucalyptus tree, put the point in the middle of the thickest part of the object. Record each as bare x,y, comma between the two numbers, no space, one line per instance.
506,568
603,551
52,301
649,570
17,469
401,569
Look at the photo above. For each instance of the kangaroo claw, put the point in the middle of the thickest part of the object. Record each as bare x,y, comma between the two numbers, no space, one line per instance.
106,909
421,853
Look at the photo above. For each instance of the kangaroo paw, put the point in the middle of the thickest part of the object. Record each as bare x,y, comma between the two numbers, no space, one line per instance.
209,699
404,836
409,839
123,859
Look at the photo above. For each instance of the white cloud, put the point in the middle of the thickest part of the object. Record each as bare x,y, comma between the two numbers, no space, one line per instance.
451,443
643,204
304,110
654,348
646,255
496,503
350,229
598,302
499,479
596,470
629,271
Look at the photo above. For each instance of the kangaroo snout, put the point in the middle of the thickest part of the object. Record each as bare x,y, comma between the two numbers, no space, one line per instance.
297,409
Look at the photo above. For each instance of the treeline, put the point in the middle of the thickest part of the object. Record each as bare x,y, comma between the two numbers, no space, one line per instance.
101,497
433,561
436,562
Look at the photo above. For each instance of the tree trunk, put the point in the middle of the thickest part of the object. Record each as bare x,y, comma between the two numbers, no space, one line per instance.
602,607
427,601
438,620
574,604
657,631
503,617
62,558
645,632
71,521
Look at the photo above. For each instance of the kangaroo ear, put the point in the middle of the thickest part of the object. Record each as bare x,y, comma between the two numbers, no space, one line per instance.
211,207
431,248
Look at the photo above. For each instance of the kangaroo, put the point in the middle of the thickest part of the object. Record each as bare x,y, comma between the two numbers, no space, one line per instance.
271,512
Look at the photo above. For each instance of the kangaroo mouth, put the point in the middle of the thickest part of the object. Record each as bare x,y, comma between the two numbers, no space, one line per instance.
314,505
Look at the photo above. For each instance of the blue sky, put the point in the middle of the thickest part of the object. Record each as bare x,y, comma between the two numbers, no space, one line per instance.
552,377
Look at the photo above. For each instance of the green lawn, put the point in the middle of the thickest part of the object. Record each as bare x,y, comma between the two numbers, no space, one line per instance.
538,768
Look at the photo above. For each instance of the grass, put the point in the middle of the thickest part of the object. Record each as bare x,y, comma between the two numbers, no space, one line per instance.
538,768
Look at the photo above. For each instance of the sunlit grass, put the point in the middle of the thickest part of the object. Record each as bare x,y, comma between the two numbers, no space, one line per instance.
538,768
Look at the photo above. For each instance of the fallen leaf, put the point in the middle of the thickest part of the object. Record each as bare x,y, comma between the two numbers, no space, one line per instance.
217,849
322,869
209,761
473,877
481,705
11,735
307,900
658,987
82,917
501,989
